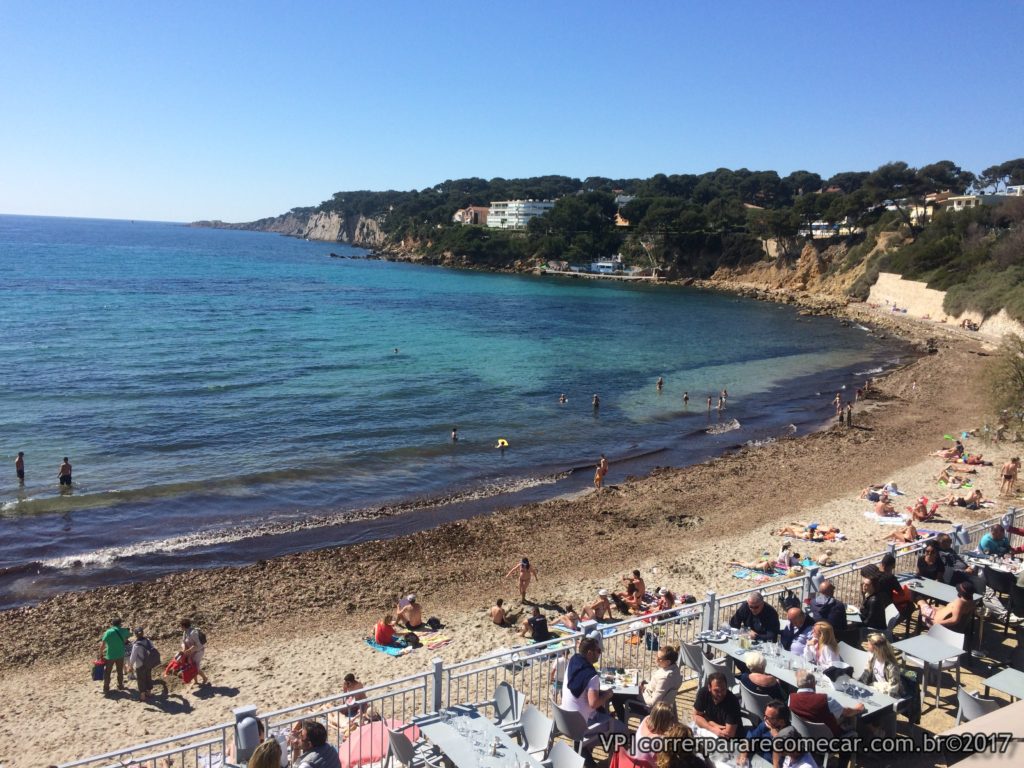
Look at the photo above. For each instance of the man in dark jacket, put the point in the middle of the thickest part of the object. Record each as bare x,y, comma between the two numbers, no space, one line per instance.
825,607
316,752
759,618
794,637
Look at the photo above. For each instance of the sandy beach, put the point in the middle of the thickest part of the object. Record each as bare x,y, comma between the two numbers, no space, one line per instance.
288,630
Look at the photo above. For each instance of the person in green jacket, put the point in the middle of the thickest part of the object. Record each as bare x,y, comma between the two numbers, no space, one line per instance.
112,652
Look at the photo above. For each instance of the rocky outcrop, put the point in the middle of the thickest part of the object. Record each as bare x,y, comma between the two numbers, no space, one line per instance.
362,231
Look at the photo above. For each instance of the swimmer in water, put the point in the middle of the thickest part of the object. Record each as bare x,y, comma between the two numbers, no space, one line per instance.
455,434
563,399
661,383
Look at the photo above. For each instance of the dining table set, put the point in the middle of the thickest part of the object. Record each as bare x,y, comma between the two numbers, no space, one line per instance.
470,740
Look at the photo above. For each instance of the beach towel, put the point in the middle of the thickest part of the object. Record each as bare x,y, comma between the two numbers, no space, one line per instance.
883,520
756,576
390,650
435,641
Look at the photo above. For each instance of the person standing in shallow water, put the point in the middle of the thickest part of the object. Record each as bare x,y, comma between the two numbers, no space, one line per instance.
709,403
661,383
64,473
19,467
455,434
596,402
686,399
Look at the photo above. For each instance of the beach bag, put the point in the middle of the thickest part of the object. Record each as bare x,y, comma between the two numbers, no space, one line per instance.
912,693
202,637
651,641
434,623
189,671
413,640
97,669
789,599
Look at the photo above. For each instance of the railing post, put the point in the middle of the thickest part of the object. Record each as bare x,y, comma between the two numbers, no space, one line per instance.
892,548
710,610
807,588
438,683
247,736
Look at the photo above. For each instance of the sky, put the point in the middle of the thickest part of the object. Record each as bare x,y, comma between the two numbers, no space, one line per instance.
240,110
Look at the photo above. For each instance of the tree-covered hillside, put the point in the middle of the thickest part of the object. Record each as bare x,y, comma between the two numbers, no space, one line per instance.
694,223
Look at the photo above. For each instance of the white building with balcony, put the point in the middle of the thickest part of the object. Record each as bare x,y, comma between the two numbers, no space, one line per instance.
516,214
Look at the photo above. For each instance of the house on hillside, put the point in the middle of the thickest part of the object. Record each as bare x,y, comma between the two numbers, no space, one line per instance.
471,214
516,214
963,202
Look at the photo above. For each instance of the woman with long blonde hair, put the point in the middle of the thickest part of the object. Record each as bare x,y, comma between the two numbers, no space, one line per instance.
266,755
822,647
883,671
658,723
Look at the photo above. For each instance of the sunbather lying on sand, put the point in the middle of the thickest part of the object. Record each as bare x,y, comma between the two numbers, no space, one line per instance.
951,453
809,532
569,619
970,501
951,479
874,492
782,563
906,534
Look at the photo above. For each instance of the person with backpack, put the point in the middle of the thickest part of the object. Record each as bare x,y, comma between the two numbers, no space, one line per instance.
193,647
144,659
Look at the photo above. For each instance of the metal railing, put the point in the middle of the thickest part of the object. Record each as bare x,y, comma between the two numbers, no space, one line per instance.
631,644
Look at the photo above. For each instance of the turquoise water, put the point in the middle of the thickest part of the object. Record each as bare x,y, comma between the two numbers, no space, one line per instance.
212,385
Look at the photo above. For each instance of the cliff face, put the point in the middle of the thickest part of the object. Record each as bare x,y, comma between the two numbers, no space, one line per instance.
361,231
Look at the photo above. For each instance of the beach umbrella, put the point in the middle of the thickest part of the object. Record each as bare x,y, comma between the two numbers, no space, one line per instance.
369,743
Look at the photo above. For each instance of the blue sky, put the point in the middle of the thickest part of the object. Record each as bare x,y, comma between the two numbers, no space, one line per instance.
180,111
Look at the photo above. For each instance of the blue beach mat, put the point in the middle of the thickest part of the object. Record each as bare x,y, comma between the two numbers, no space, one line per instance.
390,650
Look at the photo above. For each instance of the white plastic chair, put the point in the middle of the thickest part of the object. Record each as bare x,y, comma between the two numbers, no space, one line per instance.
562,756
572,725
719,665
692,657
508,708
818,731
973,706
855,657
536,732
753,703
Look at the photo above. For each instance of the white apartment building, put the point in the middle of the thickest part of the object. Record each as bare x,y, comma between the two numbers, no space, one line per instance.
516,214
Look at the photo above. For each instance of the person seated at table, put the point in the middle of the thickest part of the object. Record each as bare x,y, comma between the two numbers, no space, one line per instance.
905,535
757,617
776,717
409,613
600,609
674,755
665,679
569,619
929,565
955,568
716,709
955,615
756,680
789,754
536,626
971,501
883,670
995,542
872,610
581,689
816,707
661,718
794,637
822,649
825,607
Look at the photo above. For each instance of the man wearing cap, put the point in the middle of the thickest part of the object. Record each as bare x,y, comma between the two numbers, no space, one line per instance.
600,609
112,653
410,614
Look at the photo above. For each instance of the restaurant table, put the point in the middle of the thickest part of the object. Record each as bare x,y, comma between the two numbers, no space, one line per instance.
467,741
930,588
626,683
785,664
932,652
1010,681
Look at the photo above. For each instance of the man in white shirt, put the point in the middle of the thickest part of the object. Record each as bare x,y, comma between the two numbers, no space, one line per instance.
582,693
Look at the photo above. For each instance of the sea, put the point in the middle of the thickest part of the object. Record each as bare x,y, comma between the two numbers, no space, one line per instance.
230,396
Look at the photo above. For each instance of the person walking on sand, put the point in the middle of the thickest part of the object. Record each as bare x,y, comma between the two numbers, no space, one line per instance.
526,573
602,467
112,652
1008,473
193,648
598,477
64,473
19,467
